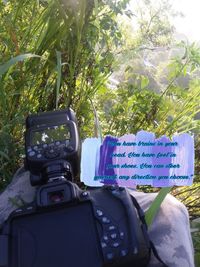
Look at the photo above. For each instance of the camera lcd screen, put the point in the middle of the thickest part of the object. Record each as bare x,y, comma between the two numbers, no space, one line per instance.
50,135
59,238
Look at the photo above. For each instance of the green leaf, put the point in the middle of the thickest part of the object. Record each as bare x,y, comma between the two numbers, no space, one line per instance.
98,131
185,70
197,259
4,155
154,208
4,67
59,66
96,4
144,82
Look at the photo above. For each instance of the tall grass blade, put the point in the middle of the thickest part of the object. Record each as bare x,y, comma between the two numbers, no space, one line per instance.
4,67
97,126
58,82
154,208
4,155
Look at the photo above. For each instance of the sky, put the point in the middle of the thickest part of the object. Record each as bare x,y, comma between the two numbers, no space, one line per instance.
190,24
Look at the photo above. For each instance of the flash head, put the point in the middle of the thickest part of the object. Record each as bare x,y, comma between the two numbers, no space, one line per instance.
52,146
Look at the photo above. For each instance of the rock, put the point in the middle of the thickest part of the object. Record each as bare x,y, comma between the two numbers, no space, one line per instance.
170,231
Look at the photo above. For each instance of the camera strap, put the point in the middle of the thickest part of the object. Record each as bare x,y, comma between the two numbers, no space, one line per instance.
145,231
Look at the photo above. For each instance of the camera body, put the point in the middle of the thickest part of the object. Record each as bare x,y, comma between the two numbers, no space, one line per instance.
64,225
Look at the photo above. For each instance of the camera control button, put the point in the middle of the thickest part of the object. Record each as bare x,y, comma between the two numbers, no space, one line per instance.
99,213
51,152
31,153
115,244
66,142
105,220
111,227
110,256
103,245
70,148
113,236
85,194
105,238
123,252
121,235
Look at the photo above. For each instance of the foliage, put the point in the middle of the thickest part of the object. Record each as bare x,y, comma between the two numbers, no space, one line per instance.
74,42
195,229
190,197
153,21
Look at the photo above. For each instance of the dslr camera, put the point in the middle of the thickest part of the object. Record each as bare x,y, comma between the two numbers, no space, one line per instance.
66,226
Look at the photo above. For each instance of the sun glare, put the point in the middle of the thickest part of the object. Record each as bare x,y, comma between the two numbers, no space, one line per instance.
189,24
